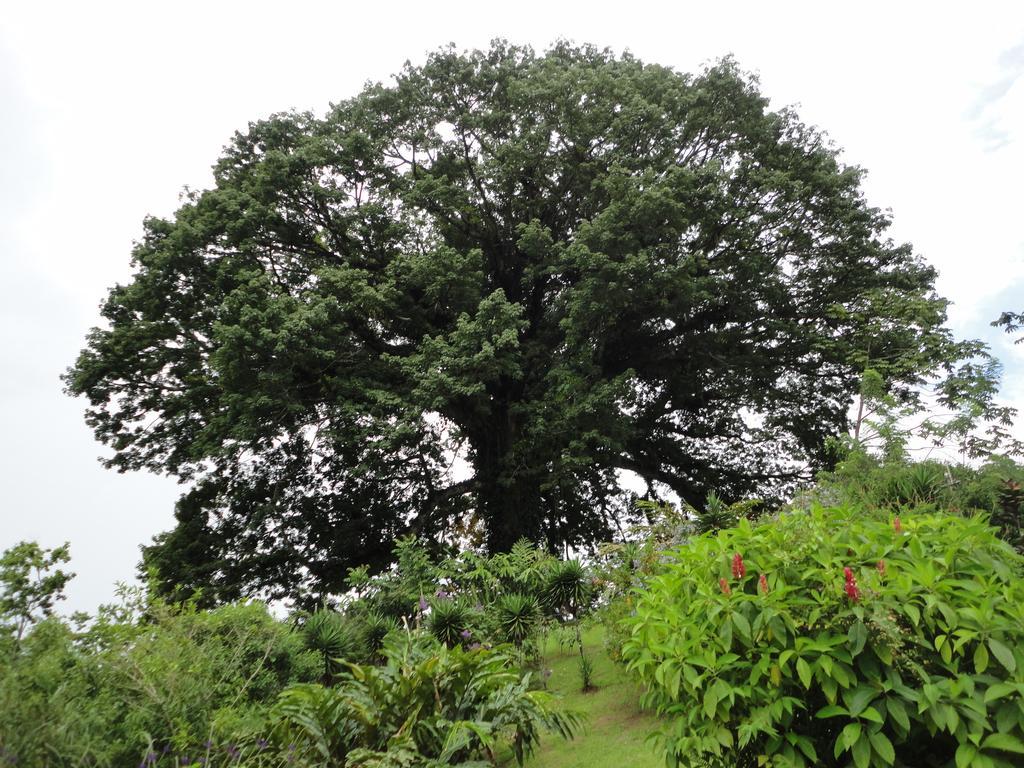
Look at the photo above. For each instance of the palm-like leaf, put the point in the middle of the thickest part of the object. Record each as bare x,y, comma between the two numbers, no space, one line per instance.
517,617
567,587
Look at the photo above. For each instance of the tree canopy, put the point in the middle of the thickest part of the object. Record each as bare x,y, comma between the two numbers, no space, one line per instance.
477,295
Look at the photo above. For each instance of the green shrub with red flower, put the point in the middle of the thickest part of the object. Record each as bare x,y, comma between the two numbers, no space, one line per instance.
826,638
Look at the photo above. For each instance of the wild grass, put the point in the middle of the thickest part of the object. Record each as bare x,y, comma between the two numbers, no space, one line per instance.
616,730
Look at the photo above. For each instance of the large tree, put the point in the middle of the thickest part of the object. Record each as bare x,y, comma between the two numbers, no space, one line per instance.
483,292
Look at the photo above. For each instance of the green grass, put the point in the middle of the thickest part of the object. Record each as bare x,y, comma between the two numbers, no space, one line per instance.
616,730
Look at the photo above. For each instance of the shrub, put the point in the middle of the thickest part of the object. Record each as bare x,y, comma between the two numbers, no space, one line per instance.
427,705
145,679
826,638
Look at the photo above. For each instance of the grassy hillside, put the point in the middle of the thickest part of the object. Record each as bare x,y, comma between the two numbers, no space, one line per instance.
616,730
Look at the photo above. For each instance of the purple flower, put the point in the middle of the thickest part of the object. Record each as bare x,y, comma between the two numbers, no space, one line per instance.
262,744
475,647
442,595
423,604
465,634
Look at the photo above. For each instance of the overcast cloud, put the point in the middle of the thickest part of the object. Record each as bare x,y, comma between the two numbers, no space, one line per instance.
108,110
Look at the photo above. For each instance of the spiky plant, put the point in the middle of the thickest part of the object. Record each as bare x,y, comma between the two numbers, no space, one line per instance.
1009,516
335,638
517,616
716,514
376,627
920,484
567,592
449,621
566,589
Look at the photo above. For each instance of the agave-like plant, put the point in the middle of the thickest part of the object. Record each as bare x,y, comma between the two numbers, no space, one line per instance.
715,515
517,616
449,621
567,587
335,638
377,626
567,593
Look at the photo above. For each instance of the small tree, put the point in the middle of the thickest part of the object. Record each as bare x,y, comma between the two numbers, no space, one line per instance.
954,406
30,583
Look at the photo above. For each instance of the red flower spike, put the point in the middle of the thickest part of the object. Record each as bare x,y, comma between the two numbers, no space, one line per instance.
896,525
725,586
762,583
881,567
850,587
739,570
852,592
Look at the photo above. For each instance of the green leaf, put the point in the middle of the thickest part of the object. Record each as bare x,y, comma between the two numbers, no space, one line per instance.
725,634
980,658
999,691
832,710
710,701
871,714
859,698
1003,654
850,735
862,752
857,637
672,680
965,755
742,625
1004,742
803,670
898,713
883,747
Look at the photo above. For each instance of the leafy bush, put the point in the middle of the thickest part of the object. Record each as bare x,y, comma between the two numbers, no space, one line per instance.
891,484
826,638
30,583
145,678
427,705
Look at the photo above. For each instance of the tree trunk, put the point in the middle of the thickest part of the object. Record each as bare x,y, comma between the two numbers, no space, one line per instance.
508,496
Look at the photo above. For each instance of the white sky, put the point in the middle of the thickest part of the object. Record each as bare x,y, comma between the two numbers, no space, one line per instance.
108,110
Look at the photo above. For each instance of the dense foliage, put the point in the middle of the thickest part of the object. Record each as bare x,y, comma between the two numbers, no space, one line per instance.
834,637
403,672
554,267
30,584
144,679
427,706
880,484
